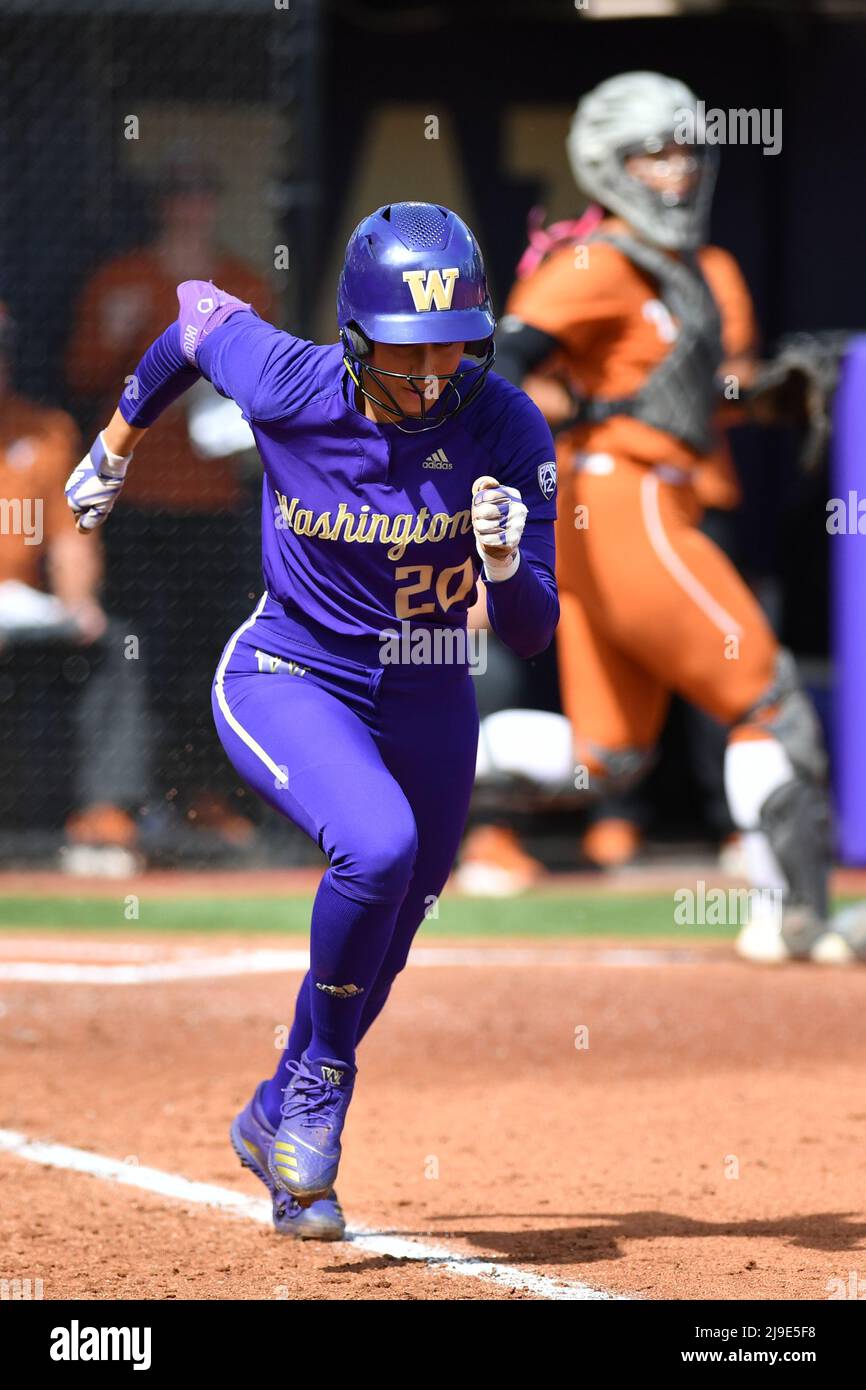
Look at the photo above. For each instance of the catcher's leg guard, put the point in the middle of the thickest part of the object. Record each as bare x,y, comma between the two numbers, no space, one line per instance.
614,771
786,712
796,820
793,807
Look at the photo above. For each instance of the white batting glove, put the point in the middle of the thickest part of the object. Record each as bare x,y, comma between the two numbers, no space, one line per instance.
91,490
498,519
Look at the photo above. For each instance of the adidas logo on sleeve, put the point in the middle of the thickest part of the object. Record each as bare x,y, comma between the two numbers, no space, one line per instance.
438,459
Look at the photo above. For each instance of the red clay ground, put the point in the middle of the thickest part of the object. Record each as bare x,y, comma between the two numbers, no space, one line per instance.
606,1165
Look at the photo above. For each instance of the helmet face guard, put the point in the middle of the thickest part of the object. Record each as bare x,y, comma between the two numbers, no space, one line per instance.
459,387
676,221
414,274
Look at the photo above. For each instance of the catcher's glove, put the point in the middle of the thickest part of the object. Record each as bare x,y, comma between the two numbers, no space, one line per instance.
795,388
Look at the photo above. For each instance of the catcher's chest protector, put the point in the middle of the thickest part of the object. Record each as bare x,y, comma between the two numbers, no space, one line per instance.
679,396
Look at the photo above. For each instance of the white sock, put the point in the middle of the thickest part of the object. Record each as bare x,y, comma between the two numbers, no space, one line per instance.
754,769
762,866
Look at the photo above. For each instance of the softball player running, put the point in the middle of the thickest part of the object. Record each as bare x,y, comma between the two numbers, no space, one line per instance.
396,467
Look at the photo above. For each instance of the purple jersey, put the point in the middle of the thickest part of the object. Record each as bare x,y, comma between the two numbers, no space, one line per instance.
363,524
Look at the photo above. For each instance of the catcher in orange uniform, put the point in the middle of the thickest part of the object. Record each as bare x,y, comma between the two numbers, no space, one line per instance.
633,336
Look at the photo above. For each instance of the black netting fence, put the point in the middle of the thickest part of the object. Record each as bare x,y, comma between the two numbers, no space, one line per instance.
140,145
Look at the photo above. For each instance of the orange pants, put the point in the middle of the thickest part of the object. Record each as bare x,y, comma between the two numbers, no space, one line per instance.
649,605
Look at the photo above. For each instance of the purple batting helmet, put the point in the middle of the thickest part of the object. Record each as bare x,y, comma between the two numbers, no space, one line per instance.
414,274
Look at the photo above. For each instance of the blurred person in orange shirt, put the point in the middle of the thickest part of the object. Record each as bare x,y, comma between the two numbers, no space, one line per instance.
181,500
50,592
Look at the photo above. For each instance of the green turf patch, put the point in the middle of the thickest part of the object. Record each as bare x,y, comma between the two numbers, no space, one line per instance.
567,915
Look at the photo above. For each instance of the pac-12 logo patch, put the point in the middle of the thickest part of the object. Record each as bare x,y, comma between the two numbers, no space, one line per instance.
547,478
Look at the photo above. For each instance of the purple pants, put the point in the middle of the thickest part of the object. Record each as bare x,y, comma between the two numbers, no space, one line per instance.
376,764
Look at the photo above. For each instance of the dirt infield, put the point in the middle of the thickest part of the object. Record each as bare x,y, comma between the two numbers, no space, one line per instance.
710,1141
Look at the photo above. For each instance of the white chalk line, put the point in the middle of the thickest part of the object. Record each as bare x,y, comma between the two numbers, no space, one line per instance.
62,948
258,1209
267,962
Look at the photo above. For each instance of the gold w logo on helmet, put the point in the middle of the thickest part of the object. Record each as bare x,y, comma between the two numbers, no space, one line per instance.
431,288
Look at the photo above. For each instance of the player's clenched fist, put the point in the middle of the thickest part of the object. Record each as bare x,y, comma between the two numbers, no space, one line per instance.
498,519
91,490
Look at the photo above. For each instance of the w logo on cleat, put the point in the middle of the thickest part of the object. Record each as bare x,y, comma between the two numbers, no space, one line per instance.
333,1075
341,991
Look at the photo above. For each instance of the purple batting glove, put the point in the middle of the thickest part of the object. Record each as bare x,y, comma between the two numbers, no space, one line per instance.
91,490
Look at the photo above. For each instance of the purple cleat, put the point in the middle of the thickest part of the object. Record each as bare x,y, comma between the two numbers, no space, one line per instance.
305,1154
252,1137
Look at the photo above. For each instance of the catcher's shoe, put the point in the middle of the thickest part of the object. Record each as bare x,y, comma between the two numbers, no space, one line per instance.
493,864
305,1154
795,933
611,842
252,1137
842,941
